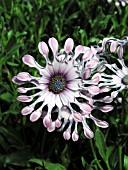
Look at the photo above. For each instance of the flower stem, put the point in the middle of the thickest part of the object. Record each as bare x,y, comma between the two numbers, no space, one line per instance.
107,164
43,141
120,157
94,154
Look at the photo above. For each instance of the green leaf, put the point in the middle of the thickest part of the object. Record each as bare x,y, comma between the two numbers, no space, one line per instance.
3,144
109,151
12,135
11,42
73,16
12,64
6,96
19,158
100,143
52,166
47,165
114,158
37,161
83,161
126,162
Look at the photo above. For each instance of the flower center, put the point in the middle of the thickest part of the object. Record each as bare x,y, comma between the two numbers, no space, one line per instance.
125,80
57,84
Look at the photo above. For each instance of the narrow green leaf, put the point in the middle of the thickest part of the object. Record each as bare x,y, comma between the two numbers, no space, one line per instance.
83,161
114,158
100,143
12,64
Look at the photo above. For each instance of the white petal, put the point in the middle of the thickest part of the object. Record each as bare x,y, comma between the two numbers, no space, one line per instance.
86,74
44,80
100,123
113,46
96,78
27,110
78,117
45,73
120,73
71,75
49,69
58,101
24,76
75,136
116,79
30,61
56,66
79,49
65,113
64,99
53,98
22,90
43,49
43,95
91,64
35,116
72,85
17,81
68,95
53,43
87,54
48,98
120,52
107,99
47,121
85,108
94,90
69,43
24,98
106,108
66,135
52,127
114,94
58,123
87,131
61,57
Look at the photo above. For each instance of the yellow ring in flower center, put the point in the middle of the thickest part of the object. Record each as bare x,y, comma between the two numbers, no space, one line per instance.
57,84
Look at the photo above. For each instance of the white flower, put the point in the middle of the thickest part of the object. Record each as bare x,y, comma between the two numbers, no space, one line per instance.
118,80
66,86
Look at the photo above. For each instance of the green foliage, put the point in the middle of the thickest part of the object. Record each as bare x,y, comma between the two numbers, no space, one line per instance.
125,162
25,145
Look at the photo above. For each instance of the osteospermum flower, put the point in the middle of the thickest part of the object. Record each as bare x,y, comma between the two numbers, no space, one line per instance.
66,86
117,81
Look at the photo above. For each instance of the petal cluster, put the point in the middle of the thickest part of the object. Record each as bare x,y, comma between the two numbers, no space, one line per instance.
70,86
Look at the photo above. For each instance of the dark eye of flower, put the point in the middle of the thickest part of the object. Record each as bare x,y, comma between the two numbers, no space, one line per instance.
57,84
125,80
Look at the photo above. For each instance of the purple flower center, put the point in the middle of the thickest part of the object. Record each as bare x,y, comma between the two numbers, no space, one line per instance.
57,84
125,80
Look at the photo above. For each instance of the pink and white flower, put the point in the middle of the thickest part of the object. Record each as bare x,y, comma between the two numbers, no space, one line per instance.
117,81
66,86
